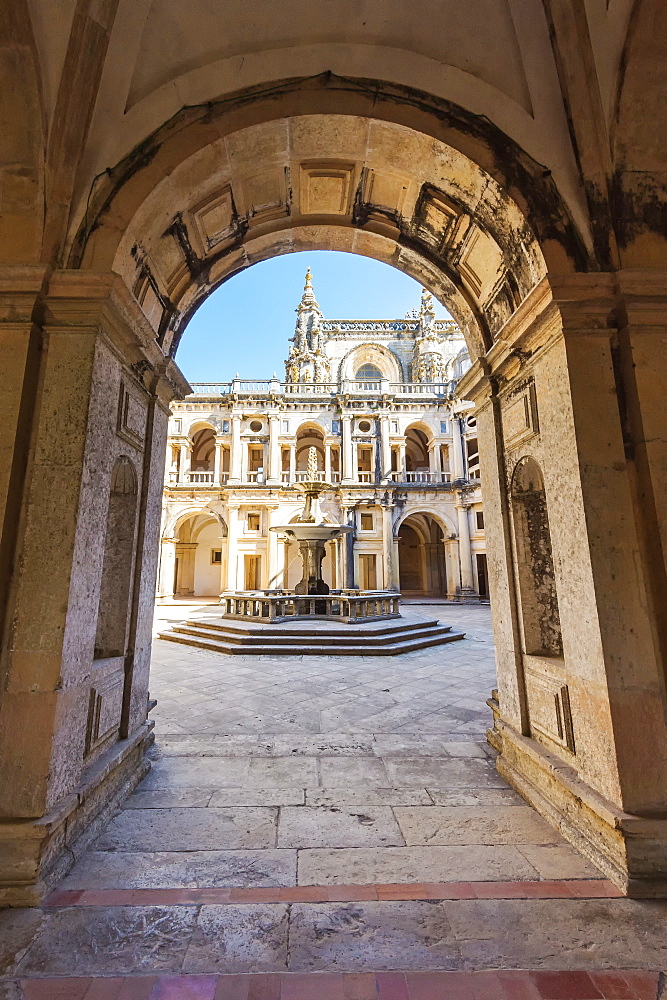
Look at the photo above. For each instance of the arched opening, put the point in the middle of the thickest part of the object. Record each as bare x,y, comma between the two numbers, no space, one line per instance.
309,436
200,557
421,554
447,196
202,458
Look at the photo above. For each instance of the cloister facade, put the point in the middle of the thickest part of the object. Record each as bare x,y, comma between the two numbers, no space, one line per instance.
391,437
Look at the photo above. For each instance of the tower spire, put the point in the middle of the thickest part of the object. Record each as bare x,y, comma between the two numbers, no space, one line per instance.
308,300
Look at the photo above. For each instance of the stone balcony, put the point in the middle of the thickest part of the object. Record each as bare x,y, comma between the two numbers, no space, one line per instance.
323,390
427,479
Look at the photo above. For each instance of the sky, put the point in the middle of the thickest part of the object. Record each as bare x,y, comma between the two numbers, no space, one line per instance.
245,325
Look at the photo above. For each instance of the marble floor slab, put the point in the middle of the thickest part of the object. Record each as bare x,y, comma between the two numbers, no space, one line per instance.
413,864
190,829
182,869
450,825
338,826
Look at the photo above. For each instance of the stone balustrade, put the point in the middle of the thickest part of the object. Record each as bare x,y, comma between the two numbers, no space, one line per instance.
339,605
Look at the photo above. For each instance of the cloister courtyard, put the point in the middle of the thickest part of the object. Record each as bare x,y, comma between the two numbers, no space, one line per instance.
338,816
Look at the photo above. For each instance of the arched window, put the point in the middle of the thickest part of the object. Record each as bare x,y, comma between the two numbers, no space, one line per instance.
368,373
537,580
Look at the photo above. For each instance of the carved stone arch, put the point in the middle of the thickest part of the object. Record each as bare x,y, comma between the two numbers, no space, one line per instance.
440,519
178,519
379,355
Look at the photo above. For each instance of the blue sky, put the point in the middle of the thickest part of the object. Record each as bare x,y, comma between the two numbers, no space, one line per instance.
245,325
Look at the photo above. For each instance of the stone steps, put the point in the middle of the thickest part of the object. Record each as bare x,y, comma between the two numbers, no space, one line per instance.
292,639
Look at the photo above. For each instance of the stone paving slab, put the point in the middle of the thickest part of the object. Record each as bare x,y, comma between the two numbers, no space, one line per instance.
350,771
338,826
412,864
559,862
258,797
190,829
450,825
328,744
560,934
371,796
221,772
187,869
111,939
250,938
442,773
354,936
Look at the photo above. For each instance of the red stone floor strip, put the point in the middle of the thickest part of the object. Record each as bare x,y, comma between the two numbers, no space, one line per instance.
546,889
489,985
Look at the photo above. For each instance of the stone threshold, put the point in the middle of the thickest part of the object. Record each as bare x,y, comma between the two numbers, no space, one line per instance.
491,985
544,889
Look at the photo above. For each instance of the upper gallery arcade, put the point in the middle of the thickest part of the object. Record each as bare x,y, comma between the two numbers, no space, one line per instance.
508,155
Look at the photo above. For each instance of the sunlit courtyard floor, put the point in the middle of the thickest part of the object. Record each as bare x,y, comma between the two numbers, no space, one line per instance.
330,827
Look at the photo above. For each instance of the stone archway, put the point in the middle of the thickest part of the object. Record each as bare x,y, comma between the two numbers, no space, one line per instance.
421,556
425,185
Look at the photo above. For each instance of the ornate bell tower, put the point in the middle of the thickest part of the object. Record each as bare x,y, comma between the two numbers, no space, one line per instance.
307,361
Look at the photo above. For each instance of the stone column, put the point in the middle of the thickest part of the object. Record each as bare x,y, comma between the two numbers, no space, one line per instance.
273,547
167,569
349,470
347,548
434,461
390,568
184,462
235,457
457,465
232,546
385,449
465,551
217,462
93,350
274,450
292,462
402,467
327,462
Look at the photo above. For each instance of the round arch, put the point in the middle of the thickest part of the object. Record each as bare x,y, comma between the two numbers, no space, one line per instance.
421,555
178,519
182,215
437,516
377,355
122,189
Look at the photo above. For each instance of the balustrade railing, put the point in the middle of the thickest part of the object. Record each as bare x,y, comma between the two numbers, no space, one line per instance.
350,606
272,386
258,478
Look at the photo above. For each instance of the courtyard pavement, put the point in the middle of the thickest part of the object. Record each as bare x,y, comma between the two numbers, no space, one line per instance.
330,827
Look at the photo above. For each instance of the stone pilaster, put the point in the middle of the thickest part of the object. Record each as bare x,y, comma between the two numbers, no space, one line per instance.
69,742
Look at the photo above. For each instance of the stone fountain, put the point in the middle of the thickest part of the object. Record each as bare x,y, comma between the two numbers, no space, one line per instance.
311,531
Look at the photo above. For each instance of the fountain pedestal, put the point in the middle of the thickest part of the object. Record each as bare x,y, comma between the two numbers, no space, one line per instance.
312,532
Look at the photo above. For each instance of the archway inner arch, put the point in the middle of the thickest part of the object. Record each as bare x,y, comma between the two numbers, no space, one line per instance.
313,181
